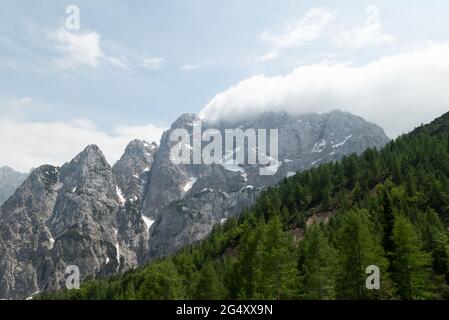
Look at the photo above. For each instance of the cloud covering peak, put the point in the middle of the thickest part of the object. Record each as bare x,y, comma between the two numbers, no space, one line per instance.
397,92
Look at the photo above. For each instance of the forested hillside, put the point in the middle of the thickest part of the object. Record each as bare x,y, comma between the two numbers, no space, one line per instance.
313,236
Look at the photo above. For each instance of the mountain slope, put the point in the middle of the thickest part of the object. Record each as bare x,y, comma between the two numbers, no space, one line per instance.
73,215
108,220
314,235
10,180
188,200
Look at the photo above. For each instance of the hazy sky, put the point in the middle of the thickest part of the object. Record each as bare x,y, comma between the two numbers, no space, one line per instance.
135,66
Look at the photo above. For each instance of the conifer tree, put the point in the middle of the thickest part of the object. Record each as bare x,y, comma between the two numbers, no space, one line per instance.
410,265
358,248
275,269
317,265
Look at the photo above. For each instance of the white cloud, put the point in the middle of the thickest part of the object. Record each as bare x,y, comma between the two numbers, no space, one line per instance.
15,107
82,49
29,144
307,29
369,34
397,92
188,67
268,56
191,67
153,63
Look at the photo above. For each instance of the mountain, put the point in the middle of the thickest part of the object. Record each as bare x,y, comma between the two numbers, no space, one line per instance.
9,181
132,170
72,215
320,234
188,200
108,220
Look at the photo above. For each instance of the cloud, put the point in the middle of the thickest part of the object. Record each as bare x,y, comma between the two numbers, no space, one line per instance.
30,144
397,92
308,28
15,107
188,67
268,56
369,34
81,49
153,63
191,67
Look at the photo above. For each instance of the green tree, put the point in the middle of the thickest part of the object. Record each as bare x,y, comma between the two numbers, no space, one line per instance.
161,282
358,248
209,286
410,265
317,265
275,268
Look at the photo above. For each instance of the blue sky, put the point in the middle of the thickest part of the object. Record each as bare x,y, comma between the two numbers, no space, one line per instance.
134,67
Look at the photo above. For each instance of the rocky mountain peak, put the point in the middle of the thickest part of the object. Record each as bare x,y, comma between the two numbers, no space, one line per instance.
185,121
87,166
132,171
91,154
106,220
187,200
139,147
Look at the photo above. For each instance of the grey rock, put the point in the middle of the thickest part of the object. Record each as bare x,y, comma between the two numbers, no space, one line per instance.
132,171
71,215
98,218
187,200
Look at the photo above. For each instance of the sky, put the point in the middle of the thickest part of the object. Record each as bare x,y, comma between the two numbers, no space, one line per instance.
133,67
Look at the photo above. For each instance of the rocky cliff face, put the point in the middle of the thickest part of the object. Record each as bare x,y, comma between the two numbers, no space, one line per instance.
106,220
10,180
187,200
73,215
132,171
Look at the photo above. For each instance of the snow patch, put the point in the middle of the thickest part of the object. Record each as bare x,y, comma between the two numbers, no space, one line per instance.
247,187
290,174
338,145
120,195
117,247
148,222
222,221
32,295
319,146
52,242
189,184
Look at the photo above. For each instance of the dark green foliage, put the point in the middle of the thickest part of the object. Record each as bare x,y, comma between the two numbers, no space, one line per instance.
387,208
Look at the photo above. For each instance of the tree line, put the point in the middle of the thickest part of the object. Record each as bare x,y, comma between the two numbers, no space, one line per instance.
387,208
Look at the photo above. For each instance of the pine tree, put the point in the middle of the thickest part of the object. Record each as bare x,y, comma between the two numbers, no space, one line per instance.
209,286
317,265
161,282
358,248
410,265
275,269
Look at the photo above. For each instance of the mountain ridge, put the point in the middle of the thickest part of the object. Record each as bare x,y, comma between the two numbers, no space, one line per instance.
144,206
314,234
